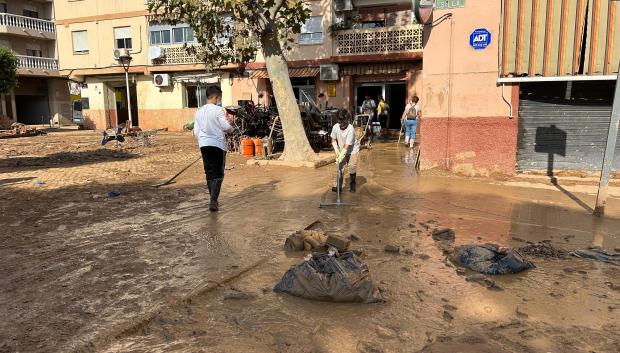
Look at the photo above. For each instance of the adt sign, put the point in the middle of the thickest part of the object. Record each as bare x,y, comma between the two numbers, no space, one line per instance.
480,38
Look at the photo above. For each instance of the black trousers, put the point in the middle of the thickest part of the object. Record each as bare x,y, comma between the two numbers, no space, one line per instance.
214,161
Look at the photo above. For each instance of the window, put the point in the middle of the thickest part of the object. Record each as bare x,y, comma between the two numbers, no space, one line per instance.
196,96
312,31
160,37
30,11
182,34
33,49
2,7
122,37
80,42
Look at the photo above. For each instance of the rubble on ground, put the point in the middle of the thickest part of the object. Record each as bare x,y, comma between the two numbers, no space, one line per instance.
20,130
490,259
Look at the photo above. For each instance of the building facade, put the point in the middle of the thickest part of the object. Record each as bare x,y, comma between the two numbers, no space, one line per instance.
27,28
489,74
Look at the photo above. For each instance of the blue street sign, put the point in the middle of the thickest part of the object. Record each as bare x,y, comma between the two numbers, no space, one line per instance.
480,38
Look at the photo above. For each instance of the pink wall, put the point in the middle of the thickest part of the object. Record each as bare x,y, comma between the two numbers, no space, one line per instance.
460,86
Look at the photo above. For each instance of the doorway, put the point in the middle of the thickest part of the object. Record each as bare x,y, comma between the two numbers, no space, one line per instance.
32,110
122,112
395,97
363,90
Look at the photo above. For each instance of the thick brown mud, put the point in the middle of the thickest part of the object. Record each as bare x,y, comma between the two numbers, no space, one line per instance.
179,279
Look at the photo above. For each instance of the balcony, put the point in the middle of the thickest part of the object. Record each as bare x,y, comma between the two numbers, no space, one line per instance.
385,40
27,26
37,66
177,55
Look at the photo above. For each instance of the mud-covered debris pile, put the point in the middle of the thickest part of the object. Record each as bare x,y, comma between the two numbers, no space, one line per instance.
544,250
330,277
305,240
490,259
598,254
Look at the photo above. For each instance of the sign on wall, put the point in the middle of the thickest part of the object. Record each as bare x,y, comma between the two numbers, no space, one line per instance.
480,38
449,4
331,90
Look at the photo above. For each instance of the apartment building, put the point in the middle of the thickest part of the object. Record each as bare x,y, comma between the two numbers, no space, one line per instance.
27,27
496,79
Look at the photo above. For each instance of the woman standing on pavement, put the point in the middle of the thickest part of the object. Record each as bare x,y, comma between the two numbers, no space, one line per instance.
411,118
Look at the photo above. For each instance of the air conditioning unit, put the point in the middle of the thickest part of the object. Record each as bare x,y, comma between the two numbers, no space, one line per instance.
161,80
343,5
156,53
329,72
120,52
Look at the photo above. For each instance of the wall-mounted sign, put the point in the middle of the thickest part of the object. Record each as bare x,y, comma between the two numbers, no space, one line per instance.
331,90
480,38
449,4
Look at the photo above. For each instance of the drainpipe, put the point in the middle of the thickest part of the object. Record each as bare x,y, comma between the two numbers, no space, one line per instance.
449,132
507,102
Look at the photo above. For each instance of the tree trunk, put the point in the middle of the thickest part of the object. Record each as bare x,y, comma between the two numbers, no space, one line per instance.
296,145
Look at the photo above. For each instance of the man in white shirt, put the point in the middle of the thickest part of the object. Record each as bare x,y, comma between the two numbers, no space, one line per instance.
210,126
346,148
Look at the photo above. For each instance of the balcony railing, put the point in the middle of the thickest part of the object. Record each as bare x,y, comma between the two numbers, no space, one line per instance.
37,63
177,55
10,20
384,40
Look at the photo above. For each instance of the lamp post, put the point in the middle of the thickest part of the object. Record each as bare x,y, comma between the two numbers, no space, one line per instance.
125,61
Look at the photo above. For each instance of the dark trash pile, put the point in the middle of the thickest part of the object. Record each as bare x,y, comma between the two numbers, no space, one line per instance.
332,277
490,259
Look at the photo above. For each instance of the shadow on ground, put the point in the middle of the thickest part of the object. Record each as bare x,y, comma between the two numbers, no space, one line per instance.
63,159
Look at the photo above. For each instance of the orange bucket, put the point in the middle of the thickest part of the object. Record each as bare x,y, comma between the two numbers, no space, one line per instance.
247,147
258,146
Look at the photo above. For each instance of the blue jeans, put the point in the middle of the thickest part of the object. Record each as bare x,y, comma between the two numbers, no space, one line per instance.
410,127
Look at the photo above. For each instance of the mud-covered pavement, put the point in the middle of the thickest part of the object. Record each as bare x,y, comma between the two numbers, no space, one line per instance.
151,270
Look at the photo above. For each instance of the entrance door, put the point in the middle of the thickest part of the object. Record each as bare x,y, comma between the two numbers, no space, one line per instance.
395,96
122,113
564,126
32,110
371,90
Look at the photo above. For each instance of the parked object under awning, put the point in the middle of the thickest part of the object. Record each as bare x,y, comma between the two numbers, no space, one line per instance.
292,72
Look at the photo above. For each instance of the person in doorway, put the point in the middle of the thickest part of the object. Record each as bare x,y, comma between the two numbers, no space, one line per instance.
347,150
382,112
211,123
368,108
411,119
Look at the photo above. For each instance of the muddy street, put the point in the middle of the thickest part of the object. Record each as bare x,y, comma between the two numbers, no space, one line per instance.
151,270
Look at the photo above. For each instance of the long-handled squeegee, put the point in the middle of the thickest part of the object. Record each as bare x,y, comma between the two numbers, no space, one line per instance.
340,176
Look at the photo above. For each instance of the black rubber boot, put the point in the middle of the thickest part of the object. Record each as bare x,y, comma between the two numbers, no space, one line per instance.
216,186
339,186
352,185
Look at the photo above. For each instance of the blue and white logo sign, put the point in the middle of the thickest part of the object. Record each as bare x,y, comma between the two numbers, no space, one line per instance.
480,38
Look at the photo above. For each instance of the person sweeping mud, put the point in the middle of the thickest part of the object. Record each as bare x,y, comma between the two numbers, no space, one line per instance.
211,123
347,150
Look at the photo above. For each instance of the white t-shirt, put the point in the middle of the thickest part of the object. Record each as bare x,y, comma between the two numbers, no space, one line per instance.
210,126
345,137
416,106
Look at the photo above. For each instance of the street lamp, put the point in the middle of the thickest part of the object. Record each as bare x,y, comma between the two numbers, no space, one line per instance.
125,60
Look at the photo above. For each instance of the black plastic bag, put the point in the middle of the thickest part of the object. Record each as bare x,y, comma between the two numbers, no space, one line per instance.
490,259
339,278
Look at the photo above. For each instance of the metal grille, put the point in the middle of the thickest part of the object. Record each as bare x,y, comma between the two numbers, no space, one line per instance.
562,135
380,41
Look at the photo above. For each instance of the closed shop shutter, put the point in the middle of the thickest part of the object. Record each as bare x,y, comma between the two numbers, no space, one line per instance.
570,135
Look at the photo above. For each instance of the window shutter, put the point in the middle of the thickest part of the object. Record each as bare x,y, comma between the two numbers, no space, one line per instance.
122,32
80,41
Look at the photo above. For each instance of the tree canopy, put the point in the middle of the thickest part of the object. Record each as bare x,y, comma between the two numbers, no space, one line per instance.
231,31
8,70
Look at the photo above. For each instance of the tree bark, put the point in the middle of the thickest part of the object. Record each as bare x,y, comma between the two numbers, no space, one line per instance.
296,145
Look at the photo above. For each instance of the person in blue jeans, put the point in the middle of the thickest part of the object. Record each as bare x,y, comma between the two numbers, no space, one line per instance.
411,118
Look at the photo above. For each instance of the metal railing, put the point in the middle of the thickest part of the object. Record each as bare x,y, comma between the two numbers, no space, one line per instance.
384,40
176,54
8,19
35,62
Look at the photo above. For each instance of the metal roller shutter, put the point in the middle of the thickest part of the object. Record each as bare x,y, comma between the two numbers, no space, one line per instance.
572,136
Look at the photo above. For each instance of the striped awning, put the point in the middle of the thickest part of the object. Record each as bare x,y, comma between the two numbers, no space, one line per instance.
292,72
551,38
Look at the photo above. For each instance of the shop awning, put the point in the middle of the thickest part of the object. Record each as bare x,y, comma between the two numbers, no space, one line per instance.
292,72
554,38
199,78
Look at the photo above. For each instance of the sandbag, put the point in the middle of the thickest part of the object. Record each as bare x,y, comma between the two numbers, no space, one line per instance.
490,259
339,278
